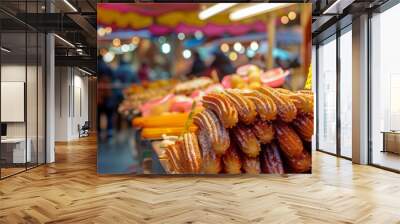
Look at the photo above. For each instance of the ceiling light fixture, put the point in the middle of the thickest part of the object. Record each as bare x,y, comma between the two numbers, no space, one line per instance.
215,9
256,9
338,6
84,71
5,49
64,40
70,5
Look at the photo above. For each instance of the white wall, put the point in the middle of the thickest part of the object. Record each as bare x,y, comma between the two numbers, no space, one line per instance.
71,94
33,127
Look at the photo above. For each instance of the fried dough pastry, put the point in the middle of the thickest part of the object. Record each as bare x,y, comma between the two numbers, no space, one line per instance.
289,140
304,102
304,125
309,106
208,122
251,165
211,163
301,163
283,91
287,111
306,91
232,161
246,140
264,131
221,106
270,159
175,156
245,108
265,106
184,155
192,152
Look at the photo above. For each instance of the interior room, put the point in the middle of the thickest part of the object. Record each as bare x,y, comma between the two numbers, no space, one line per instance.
52,55
385,107
23,96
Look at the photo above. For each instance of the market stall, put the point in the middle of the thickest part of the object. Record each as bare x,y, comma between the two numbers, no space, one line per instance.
207,95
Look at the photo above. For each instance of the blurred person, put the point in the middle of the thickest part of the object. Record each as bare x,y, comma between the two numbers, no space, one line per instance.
198,66
125,73
258,60
104,99
144,72
222,64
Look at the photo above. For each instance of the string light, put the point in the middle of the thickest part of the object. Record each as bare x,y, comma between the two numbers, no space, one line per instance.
116,42
166,48
254,45
233,56
237,46
292,15
135,40
181,36
224,47
284,19
186,53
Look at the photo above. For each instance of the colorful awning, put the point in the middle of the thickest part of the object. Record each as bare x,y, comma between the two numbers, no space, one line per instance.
169,18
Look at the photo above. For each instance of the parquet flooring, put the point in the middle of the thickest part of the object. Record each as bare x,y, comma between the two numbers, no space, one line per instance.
70,191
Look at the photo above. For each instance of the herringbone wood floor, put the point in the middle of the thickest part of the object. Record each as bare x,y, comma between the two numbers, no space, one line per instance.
70,191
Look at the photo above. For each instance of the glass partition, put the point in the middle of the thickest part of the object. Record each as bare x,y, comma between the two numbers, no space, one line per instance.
22,90
346,93
385,89
327,96
14,144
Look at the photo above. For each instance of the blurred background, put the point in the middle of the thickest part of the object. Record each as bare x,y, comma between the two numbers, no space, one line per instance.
141,43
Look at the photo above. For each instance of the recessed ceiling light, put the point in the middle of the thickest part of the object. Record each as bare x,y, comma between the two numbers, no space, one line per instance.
215,9
5,49
256,9
64,40
70,5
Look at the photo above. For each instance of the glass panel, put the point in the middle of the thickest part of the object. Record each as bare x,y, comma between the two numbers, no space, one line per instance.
327,97
41,99
385,85
314,73
32,86
13,87
346,94
31,97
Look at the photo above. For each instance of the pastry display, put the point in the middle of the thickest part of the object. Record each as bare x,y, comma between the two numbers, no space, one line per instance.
265,106
264,131
252,77
136,95
270,159
246,140
232,161
208,122
222,107
245,108
240,131
287,111
186,88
